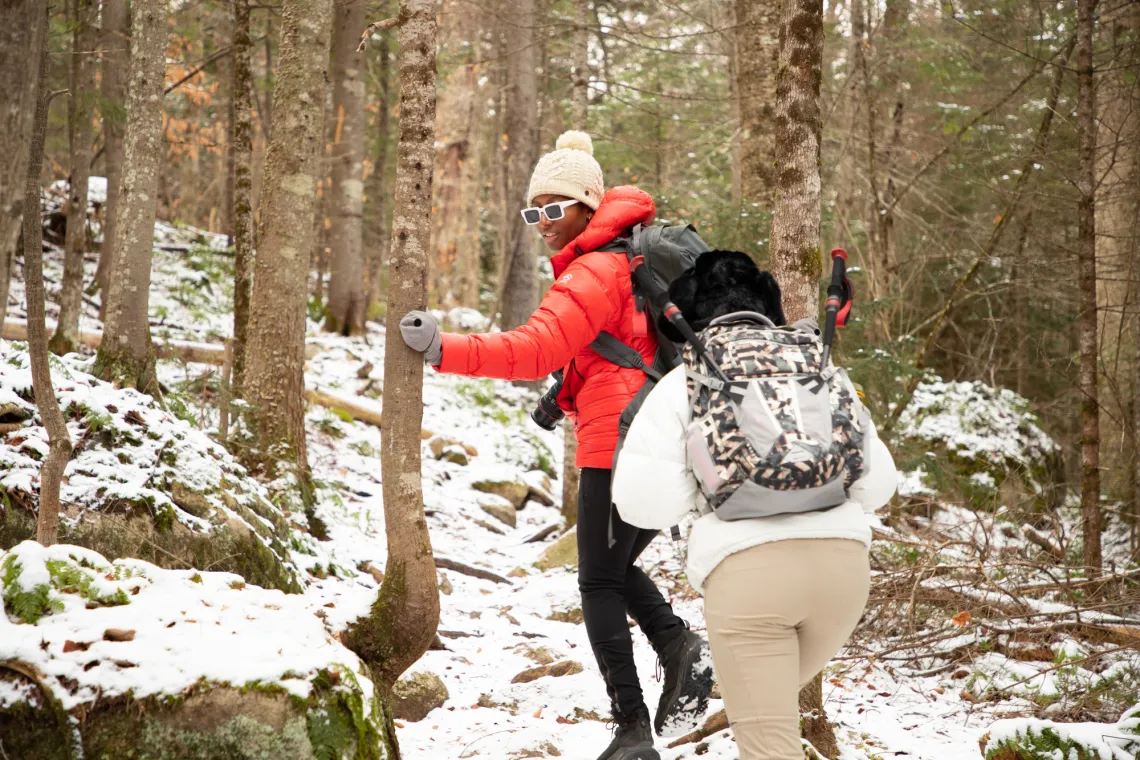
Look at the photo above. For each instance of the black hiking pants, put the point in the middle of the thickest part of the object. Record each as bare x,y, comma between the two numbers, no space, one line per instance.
613,587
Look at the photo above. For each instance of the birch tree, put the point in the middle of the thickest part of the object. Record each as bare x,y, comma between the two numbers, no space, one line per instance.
126,355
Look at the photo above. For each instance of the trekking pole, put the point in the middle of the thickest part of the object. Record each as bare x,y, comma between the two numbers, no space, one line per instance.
840,296
648,285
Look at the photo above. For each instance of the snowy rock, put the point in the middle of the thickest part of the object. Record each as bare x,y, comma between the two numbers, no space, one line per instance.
126,659
557,670
141,482
515,491
455,455
416,695
562,553
440,445
504,513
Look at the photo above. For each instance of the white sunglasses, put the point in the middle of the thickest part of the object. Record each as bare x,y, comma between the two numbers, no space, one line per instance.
553,211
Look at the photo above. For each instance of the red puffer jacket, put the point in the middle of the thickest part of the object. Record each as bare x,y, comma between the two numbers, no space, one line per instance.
591,293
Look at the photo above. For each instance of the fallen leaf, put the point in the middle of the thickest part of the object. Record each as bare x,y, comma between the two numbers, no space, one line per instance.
538,713
74,646
962,619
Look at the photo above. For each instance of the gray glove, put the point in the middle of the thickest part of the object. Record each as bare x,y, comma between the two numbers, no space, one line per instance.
421,332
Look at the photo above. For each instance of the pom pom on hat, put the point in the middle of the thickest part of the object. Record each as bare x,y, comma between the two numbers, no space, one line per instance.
570,170
575,140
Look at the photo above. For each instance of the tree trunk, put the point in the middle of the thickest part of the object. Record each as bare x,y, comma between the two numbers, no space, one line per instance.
454,270
59,442
405,615
275,348
795,225
757,49
1086,284
241,154
1117,214
21,32
126,355
570,476
520,259
845,174
348,298
80,111
378,181
116,62
580,57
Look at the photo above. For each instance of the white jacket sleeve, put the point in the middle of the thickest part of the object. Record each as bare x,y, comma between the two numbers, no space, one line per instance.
880,479
653,486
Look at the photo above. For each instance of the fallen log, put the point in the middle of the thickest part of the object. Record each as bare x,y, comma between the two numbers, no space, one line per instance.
716,722
196,353
355,407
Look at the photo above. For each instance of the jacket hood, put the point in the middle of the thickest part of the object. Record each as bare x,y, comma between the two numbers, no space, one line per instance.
621,208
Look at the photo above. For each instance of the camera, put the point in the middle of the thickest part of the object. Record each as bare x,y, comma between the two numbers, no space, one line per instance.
548,414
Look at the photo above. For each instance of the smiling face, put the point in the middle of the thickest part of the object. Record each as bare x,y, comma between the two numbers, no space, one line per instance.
558,233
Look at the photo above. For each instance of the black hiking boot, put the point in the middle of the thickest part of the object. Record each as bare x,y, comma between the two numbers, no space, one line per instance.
633,739
688,683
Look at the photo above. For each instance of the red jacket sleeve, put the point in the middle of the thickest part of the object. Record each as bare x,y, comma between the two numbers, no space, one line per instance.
574,311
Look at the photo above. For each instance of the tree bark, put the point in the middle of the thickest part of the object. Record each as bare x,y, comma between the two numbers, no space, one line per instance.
520,259
580,58
21,31
114,74
378,180
454,269
570,475
275,349
1118,259
1086,285
348,298
59,442
241,154
405,615
80,111
795,224
126,355
757,50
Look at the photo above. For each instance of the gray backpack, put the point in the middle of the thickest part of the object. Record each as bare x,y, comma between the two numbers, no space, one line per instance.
781,436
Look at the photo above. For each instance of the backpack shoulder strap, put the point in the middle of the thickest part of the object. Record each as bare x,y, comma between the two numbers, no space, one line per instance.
613,350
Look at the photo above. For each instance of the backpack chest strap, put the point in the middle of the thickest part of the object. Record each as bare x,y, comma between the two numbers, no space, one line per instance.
613,350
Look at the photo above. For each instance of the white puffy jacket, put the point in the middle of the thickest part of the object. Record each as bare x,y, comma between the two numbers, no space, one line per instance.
654,488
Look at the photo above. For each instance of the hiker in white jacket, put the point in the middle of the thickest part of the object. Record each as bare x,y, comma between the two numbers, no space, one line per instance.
782,593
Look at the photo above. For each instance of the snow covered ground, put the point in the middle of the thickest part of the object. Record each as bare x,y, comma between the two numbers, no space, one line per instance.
491,630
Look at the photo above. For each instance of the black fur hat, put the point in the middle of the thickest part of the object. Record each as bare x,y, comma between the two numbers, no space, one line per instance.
721,283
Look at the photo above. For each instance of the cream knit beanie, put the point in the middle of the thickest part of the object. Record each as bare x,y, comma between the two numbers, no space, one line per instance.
569,170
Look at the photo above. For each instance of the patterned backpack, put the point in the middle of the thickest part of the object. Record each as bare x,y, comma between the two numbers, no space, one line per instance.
780,436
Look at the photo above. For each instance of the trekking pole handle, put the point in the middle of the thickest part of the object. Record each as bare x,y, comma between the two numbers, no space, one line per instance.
835,293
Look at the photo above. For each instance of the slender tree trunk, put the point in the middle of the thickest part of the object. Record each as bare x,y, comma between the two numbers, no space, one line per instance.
114,74
405,615
21,32
520,279
378,191
1086,284
347,304
126,355
275,348
795,224
454,269
580,57
845,175
80,111
1118,255
59,442
570,475
241,154
757,50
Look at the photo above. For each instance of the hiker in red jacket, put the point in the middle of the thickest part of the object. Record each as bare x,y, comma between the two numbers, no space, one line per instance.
592,293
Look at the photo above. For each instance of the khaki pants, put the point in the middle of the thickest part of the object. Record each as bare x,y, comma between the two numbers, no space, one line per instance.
776,615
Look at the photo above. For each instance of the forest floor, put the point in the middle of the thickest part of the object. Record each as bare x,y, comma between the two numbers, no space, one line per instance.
933,703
